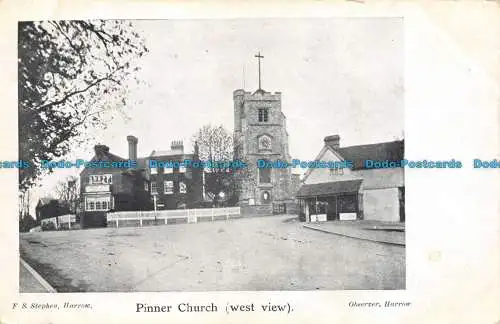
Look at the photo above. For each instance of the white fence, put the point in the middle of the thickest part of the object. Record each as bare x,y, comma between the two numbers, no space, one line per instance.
190,215
67,219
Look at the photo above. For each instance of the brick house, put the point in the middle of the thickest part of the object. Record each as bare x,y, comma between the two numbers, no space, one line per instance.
172,183
104,189
357,192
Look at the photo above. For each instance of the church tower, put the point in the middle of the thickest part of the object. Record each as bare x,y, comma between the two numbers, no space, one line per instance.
260,134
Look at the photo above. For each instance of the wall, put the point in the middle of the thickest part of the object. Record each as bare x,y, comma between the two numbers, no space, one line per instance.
381,178
92,219
256,210
381,204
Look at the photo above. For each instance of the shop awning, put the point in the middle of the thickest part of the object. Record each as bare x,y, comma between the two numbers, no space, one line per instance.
328,188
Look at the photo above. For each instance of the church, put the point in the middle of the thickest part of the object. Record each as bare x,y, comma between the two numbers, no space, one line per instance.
260,134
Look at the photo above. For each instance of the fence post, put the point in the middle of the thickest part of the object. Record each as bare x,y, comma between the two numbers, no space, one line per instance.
116,222
140,220
69,221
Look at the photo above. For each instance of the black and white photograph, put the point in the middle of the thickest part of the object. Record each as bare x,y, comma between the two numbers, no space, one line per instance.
211,155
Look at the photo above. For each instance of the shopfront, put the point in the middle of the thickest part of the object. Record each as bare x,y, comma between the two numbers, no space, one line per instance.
331,201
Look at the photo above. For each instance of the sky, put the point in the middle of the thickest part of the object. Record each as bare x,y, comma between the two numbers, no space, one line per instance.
337,76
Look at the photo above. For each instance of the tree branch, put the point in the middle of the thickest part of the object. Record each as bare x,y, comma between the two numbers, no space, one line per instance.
71,94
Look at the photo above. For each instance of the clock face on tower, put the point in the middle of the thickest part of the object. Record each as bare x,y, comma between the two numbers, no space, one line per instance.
265,143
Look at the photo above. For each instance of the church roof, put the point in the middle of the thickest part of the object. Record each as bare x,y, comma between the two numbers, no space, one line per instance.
260,91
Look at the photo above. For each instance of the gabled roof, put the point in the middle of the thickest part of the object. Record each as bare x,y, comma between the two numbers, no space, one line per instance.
328,188
45,201
48,200
392,151
104,156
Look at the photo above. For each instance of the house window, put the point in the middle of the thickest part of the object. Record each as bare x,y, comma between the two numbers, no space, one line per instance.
169,187
336,171
154,171
154,189
168,170
182,168
263,114
182,187
102,203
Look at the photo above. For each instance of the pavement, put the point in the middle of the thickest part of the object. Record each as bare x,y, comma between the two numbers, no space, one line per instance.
30,281
373,231
246,254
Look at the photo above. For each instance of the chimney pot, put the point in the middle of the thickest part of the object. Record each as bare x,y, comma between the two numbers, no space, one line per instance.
333,141
132,147
177,145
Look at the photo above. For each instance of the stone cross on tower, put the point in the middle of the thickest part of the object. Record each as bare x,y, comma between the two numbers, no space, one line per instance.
258,56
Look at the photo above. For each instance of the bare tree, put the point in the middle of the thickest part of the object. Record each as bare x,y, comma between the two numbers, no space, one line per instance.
215,145
68,191
24,203
26,220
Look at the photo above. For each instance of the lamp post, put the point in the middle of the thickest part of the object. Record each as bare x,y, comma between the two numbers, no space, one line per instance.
72,198
154,203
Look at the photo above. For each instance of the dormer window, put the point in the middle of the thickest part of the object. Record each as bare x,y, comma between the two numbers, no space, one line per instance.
336,171
263,115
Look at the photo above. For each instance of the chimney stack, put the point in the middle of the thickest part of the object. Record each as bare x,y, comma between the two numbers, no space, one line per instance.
132,147
177,146
333,141
100,150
